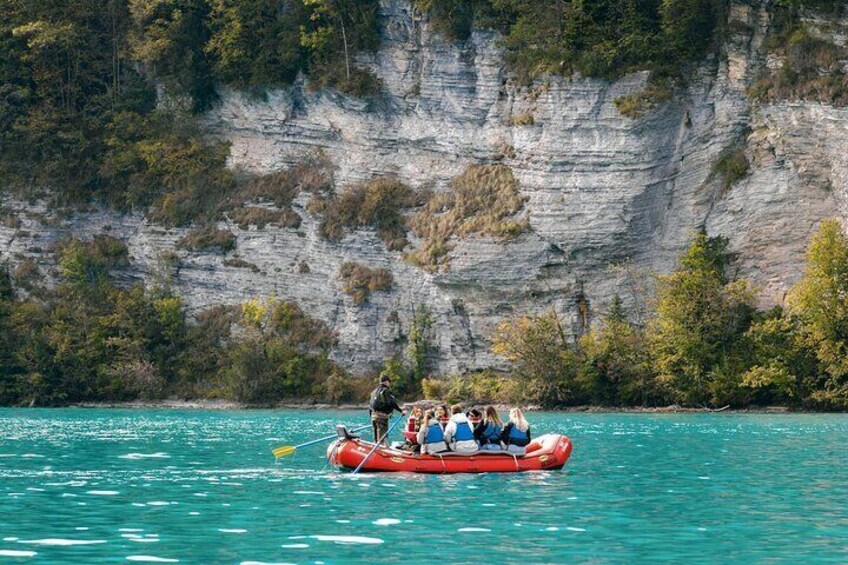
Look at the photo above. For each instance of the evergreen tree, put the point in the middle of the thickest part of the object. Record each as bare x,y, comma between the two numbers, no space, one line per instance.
701,314
616,368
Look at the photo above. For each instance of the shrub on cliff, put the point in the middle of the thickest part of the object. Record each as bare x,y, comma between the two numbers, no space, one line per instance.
378,203
812,66
483,200
359,281
732,166
657,91
208,238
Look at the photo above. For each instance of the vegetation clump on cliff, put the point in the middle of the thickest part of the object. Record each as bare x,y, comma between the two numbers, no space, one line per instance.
483,200
208,238
378,203
637,104
732,166
359,281
812,66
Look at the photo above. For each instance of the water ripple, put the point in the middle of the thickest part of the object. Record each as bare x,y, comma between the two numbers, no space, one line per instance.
79,486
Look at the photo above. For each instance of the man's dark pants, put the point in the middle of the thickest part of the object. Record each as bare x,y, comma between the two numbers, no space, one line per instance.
381,427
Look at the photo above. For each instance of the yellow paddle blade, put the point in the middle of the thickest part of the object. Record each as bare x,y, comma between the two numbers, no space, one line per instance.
283,451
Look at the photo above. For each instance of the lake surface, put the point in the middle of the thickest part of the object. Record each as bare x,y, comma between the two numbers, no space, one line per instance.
170,486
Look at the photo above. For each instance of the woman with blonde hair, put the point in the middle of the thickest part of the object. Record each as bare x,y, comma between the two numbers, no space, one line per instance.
415,418
488,430
516,434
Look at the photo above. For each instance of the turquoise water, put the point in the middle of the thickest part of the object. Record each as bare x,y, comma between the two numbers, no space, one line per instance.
122,486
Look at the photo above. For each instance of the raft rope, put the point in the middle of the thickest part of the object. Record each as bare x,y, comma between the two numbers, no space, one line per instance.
442,459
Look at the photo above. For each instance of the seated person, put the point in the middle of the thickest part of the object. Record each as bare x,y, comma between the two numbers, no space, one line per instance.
415,417
458,433
516,434
488,431
410,435
431,435
444,413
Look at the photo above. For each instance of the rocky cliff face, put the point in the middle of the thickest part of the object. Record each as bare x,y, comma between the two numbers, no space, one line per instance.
608,197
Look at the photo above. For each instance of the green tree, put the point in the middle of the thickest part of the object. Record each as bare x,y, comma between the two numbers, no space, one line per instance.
256,43
9,369
281,354
542,356
688,26
820,301
701,314
452,18
169,36
616,367
785,368
335,31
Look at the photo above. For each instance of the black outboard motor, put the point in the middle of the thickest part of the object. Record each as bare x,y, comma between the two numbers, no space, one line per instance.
344,433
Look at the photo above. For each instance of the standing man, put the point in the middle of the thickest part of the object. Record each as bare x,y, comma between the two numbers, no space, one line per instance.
382,405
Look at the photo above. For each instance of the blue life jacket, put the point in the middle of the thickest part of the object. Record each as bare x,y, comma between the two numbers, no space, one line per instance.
435,433
491,434
463,432
517,437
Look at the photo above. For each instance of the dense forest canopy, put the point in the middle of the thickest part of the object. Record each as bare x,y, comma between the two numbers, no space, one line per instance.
604,38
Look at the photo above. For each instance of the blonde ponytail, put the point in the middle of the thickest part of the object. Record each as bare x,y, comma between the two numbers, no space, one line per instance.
516,417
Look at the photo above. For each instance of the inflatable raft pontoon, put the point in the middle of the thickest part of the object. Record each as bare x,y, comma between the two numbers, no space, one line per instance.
548,452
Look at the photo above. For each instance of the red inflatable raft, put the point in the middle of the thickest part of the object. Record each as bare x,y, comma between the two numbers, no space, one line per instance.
547,452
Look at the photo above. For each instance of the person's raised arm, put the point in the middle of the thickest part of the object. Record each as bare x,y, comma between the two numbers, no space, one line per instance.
394,403
422,430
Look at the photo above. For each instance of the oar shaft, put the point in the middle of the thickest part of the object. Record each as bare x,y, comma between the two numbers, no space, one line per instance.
325,438
376,445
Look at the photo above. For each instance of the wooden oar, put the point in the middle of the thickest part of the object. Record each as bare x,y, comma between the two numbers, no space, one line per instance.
376,445
286,450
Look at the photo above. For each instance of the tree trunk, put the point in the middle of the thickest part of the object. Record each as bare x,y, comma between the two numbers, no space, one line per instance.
344,40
